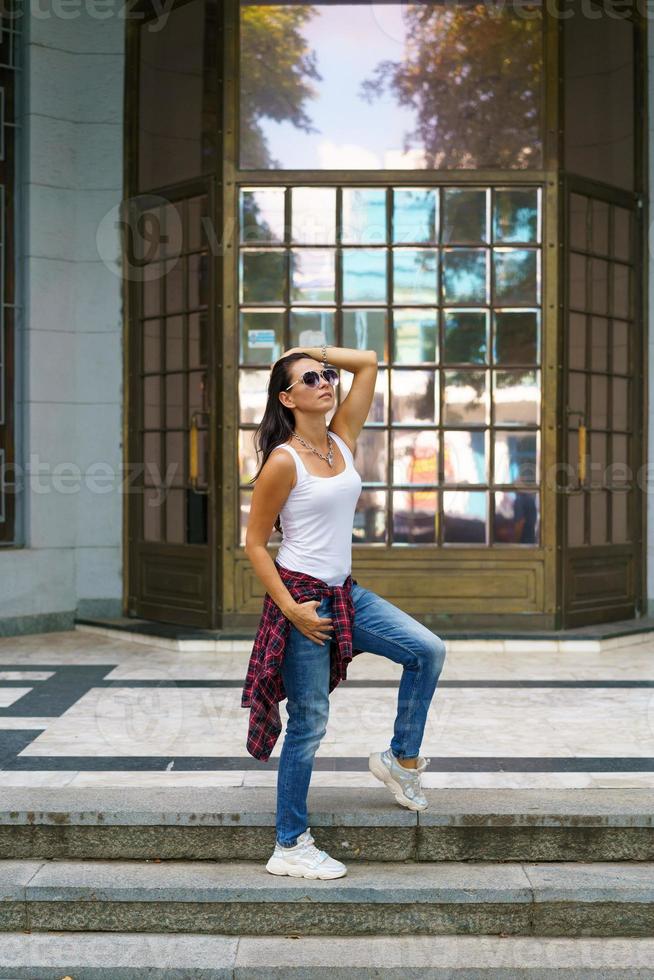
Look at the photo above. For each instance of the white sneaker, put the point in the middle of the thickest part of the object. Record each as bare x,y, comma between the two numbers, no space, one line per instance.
304,860
403,783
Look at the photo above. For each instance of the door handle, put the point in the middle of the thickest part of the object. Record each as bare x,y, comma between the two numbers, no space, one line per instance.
193,453
582,452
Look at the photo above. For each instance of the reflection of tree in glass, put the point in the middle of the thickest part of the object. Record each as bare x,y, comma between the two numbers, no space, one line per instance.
254,228
473,75
275,66
264,273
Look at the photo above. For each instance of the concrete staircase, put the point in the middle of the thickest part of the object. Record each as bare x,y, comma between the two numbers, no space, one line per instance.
171,883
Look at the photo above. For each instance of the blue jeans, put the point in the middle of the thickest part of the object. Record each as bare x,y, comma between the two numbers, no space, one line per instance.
379,627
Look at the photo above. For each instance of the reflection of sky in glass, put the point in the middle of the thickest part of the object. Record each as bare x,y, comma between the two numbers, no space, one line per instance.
364,275
363,220
313,275
313,211
352,133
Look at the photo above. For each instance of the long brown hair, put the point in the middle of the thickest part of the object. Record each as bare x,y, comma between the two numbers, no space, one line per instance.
278,421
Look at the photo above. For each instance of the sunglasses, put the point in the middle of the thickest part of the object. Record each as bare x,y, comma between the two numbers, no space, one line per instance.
312,378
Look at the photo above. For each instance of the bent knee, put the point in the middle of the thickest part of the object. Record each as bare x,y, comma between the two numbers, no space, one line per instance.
434,653
308,722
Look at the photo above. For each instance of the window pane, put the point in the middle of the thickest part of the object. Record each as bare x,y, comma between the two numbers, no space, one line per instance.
465,216
599,282
311,328
465,397
415,215
516,336
415,456
415,517
598,86
465,336
174,334
174,109
363,216
263,276
261,215
415,275
465,275
599,238
174,401
516,215
403,110
152,399
465,517
516,275
599,391
579,216
262,333
464,456
370,518
253,394
371,455
577,340
414,397
577,281
415,336
516,517
313,276
622,229
152,514
366,330
619,517
621,290
516,457
313,215
599,348
620,339
516,397
152,345
364,275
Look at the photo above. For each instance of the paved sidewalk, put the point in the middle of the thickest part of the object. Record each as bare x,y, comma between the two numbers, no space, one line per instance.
82,708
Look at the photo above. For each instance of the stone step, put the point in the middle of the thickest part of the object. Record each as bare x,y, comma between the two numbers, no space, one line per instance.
232,824
125,956
386,898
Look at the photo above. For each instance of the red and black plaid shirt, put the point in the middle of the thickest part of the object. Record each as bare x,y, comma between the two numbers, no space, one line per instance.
264,687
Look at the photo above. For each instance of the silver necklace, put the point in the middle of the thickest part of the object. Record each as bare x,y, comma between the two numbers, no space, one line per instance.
330,454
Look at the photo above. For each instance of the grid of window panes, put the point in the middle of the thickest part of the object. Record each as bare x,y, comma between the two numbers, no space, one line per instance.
600,344
444,283
173,371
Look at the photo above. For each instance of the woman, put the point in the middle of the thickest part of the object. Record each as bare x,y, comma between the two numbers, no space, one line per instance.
316,617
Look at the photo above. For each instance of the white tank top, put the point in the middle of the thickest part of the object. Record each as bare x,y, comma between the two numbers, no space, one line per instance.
317,520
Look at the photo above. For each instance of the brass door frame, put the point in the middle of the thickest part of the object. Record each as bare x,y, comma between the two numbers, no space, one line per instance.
200,560
383,569
591,559
637,201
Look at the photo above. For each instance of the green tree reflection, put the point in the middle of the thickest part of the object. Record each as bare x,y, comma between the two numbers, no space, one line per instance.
275,68
473,76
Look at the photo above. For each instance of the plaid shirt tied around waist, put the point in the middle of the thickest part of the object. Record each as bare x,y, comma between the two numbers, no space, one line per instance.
264,686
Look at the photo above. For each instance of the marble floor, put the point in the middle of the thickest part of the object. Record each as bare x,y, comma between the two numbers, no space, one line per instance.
86,708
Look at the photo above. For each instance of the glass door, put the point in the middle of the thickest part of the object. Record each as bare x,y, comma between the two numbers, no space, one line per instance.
172,287
601,415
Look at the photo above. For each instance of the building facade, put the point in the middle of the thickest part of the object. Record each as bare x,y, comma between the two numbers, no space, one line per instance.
462,187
